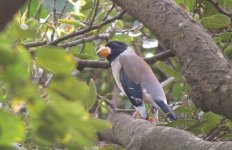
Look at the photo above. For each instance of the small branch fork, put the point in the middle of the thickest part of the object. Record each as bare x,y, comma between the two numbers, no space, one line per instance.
220,9
76,33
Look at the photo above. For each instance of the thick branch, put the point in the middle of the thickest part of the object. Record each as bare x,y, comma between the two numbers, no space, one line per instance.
7,10
207,71
104,64
137,134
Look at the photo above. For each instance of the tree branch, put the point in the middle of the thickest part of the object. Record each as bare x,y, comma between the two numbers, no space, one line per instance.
65,37
206,69
76,33
104,64
87,39
137,134
34,44
219,8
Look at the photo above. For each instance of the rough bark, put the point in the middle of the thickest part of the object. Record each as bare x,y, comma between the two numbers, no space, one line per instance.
7,10
138,134
206,69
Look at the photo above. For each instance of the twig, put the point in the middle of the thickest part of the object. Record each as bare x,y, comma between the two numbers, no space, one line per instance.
131,29
104,64
87,39
108,13
125,110
220,9
108,102
28,9
82,48
198,5
53,20
95,13
34,44
216,131
45,33
48,81
119,15
80,32
61,13
38,10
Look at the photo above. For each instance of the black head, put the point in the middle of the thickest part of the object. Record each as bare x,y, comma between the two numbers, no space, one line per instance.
112,50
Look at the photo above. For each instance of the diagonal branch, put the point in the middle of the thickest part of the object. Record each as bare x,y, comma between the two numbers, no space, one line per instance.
87,39
65,37
74,34
219,8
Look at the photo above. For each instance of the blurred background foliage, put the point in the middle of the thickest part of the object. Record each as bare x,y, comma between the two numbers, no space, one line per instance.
46,103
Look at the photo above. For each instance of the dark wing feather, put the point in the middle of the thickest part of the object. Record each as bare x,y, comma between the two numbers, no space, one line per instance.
132,90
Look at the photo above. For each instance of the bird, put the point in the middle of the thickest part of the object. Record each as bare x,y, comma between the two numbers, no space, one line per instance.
135,79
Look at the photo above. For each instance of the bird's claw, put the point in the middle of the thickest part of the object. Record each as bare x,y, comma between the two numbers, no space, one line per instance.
136,115
150,119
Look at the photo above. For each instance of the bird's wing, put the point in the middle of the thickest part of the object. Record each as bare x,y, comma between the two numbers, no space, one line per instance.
131,89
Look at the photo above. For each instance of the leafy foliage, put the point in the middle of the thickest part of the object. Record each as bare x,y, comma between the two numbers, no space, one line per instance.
216,21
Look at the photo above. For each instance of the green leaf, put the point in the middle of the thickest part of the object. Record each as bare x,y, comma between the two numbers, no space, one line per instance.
90,50
122,37
21,31
229,123
228,5
208,9
210,121
189,3
76,23
228,51
184,109
119,24
92,95
85,56
180,123
55,60
225,37
34,7
70,88
88,5
216,21
12,129
7,56
177,90
198,128
167,70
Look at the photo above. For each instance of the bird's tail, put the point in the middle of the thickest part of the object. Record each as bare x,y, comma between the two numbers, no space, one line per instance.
167,110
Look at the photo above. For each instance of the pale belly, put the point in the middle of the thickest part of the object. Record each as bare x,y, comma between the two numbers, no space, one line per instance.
116,67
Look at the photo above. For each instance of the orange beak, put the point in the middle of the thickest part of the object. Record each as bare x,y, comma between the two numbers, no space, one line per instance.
104,51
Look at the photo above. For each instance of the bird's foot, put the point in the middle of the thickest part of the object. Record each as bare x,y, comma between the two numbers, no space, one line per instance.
152,120
136,115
